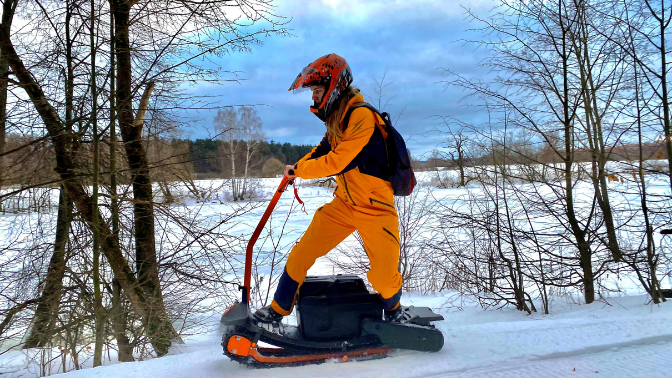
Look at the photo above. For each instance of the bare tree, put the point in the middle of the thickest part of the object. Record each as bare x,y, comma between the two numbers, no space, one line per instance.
567,76
547,96
457,144
48,308
241,132
62,92
6,24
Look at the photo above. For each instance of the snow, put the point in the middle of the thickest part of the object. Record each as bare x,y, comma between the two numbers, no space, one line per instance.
619,337
623,336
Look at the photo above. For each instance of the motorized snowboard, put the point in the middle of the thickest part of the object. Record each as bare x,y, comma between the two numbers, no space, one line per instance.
337,318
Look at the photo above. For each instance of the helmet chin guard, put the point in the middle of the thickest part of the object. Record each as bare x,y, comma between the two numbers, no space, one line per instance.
330,71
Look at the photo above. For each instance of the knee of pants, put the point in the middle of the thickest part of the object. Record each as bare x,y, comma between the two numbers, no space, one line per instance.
387,283
298,264
325,232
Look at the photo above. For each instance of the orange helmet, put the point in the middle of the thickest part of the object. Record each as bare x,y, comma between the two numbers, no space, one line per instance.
330,71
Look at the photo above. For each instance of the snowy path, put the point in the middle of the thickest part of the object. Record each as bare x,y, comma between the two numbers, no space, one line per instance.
626,339
643,358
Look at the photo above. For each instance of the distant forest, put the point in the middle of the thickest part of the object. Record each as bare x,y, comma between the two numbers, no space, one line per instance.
206,156
196,159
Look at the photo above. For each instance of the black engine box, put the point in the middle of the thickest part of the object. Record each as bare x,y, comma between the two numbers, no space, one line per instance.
333,307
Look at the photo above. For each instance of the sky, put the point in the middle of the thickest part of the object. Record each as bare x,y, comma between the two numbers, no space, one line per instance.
409,43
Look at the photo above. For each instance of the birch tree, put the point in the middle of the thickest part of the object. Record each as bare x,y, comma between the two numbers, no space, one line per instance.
241,132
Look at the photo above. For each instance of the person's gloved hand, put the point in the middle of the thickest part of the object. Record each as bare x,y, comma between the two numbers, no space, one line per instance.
289,171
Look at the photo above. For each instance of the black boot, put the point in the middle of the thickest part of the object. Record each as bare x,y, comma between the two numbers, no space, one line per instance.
267,314
396,316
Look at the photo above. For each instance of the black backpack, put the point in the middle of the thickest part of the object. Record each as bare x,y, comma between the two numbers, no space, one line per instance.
399,160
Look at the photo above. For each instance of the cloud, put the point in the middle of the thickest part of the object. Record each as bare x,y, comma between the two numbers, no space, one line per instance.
408,42
281,132
361,11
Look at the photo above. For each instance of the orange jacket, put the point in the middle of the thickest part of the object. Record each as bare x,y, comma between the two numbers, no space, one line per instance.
365,192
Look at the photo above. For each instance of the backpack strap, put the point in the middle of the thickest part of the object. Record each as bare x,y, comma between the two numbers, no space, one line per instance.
346,119
384,129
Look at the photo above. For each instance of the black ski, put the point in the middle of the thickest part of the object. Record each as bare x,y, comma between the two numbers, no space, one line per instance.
423,338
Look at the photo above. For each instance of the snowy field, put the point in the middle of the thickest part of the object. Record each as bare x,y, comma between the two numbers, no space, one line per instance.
623,336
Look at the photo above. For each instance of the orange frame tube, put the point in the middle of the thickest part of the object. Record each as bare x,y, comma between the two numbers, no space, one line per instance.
286,181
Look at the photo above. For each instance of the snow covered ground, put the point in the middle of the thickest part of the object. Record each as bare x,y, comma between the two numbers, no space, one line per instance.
623,337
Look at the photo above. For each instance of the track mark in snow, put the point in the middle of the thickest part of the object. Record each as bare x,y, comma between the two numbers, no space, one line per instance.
615,347
637,358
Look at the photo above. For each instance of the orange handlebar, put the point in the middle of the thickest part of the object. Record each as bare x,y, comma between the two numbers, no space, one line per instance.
286,181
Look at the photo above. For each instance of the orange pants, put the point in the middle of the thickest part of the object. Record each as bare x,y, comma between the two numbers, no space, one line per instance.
331,224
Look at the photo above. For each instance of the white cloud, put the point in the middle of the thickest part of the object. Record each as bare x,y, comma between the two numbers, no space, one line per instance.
408,41
281,132
360,11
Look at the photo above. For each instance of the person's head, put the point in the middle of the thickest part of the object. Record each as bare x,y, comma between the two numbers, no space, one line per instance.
318,93
330,72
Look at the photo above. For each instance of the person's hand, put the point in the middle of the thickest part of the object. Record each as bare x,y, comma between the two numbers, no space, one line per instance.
289,172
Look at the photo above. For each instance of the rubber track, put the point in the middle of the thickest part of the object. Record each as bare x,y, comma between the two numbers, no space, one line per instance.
251,362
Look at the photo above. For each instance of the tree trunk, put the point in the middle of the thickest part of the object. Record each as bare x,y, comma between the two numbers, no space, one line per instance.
167,195
98,309
460,165
46,313
653,283
120,317
66,168
515,272
125,353
159,326
594,131
7,16
667,129
247,165
234,181
585,252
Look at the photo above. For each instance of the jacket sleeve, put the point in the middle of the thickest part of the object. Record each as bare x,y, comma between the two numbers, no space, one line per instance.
357,135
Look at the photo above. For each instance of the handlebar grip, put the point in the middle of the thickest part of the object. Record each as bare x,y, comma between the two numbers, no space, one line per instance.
667,231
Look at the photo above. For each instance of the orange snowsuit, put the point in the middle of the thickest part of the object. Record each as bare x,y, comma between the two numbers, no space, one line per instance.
364,202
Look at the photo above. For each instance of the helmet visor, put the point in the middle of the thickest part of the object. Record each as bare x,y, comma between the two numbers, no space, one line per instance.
301,90
303,80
